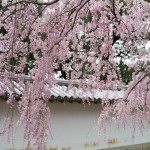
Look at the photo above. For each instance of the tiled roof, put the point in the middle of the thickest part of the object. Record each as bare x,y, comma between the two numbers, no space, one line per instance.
62,93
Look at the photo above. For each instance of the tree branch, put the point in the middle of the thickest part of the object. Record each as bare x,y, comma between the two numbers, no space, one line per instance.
31,2
147,1
133,87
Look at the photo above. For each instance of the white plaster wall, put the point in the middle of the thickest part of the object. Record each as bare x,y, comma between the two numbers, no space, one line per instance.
74,127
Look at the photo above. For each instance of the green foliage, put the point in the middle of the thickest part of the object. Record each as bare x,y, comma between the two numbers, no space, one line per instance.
12,62
43,36
9,1
86,46
88,18
126,72
29,64
85,69
103,77
3,31
39,10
